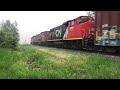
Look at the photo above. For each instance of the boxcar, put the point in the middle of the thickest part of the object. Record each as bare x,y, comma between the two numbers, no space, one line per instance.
107,26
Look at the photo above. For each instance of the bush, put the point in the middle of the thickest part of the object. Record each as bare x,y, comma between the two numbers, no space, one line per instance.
9,36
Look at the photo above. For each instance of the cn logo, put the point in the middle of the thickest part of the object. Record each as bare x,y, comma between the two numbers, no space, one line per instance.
58,33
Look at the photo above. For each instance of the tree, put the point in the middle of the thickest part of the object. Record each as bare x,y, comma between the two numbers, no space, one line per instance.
91,13
9,36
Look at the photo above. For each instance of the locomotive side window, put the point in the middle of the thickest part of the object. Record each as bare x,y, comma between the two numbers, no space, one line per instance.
84,19
79,21
72,23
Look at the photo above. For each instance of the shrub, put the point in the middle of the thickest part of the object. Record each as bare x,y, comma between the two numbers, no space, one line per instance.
9,36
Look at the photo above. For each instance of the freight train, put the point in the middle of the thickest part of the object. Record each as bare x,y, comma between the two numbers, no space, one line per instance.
84,32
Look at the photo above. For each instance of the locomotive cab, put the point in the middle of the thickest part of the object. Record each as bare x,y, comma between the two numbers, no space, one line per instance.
80,28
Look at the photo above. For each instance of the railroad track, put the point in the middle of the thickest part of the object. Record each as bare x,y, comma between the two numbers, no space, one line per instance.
93,52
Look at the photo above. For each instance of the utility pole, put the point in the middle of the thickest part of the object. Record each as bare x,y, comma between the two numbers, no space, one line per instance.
25,41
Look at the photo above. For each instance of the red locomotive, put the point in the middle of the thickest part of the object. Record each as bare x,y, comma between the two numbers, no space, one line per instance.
79,28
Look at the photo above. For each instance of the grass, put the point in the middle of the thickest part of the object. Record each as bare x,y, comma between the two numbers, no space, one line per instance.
33,62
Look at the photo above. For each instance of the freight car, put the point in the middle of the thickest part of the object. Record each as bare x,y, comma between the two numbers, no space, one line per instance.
107,28
102,34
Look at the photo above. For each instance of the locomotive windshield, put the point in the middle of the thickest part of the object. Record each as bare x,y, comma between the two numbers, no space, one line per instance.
82,20
79,21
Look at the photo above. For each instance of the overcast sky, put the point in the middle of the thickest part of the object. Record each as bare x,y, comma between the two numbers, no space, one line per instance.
31,23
